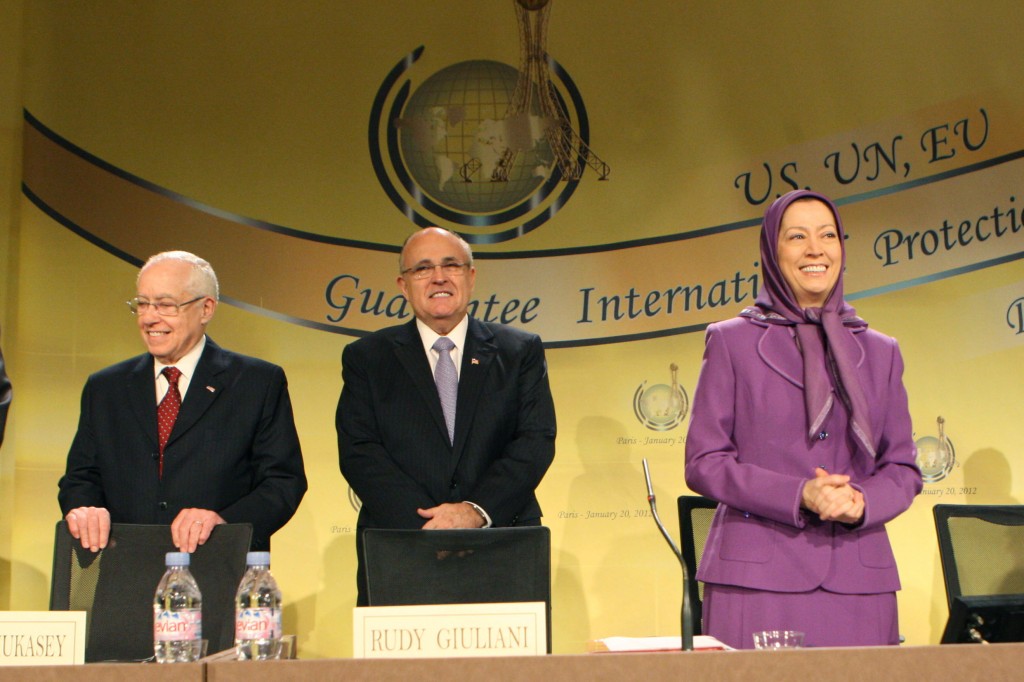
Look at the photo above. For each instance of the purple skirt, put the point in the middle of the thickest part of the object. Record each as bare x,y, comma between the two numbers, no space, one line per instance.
733,614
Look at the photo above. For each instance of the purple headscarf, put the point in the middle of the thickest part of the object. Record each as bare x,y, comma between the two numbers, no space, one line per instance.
835,348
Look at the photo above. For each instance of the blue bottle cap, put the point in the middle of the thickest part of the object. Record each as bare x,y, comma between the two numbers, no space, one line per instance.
178,559
257,559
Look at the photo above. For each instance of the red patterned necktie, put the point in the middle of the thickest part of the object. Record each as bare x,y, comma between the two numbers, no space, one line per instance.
167,410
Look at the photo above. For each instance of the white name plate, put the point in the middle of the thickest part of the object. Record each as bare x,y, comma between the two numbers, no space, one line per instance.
42,637
443,630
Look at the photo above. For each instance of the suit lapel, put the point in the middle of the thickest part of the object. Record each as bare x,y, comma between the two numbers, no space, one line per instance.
142,396
777,348
409,351
203,389
477,357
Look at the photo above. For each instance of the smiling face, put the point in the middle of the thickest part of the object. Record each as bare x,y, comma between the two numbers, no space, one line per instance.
439,300
810,251
170,338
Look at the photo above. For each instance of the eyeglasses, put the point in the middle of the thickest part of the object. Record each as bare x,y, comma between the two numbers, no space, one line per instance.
425,270
139,306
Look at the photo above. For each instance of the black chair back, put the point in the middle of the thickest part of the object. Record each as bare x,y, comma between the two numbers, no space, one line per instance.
695,515
115,587
981,547
468,566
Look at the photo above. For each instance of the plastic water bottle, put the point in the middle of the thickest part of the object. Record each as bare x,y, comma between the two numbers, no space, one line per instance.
258,611
177,613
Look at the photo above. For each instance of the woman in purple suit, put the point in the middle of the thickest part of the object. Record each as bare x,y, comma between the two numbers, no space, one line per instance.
800,429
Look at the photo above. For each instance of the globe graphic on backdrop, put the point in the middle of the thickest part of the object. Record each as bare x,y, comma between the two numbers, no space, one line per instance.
657,404
660,407
457,116
935,458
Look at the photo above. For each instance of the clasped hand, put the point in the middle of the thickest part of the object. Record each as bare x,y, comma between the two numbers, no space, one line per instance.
451,515
832,498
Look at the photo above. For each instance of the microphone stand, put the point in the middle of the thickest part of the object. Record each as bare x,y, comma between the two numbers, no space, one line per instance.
687,614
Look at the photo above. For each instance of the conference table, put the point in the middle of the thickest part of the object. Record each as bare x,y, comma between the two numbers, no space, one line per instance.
960,662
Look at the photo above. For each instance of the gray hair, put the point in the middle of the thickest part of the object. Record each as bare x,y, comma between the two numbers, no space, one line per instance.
462,242
202,280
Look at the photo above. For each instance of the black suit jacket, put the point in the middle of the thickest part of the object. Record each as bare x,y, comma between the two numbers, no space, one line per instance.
392,440
233,449
5,397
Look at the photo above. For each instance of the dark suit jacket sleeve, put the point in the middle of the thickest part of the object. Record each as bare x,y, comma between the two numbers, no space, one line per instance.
507,485
387,492
5,397
277,467
82,485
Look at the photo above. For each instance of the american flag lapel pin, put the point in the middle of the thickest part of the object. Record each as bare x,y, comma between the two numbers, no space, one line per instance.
474,361
211,389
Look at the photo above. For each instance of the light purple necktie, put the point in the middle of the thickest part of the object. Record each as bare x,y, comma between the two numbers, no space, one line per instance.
447,380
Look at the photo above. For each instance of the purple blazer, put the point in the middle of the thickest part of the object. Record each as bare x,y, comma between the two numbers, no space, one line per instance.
747,448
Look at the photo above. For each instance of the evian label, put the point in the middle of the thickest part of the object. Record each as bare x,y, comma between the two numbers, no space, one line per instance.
175,626
258,623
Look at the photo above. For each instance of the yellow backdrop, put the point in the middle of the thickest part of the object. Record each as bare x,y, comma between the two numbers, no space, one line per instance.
235,116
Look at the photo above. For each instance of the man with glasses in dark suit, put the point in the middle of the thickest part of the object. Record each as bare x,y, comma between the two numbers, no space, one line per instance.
445,421
187,434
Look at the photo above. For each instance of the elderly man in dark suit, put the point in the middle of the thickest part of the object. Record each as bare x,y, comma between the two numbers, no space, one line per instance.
414,461
187,434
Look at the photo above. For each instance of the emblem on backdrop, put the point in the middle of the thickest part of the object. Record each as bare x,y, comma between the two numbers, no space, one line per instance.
935,454
661,407
487,149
